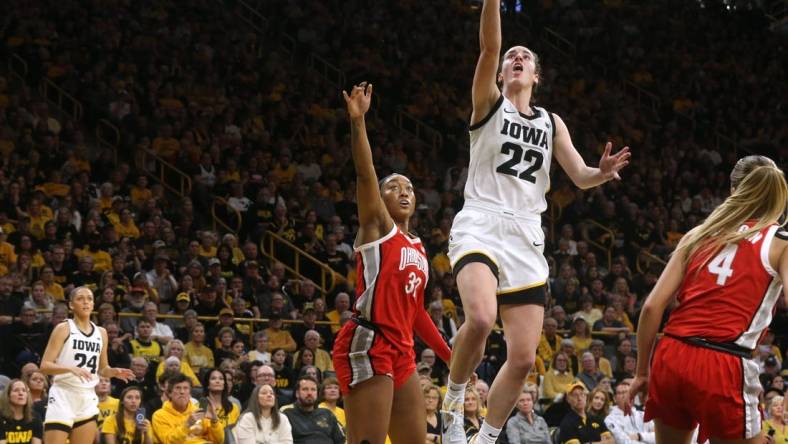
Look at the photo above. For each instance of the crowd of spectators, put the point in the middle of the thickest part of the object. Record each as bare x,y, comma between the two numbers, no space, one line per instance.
256,125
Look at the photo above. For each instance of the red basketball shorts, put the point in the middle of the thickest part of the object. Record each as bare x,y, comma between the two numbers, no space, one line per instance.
361,353
691,385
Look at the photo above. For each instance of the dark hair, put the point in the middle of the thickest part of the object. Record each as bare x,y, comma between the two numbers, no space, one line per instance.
304,378
253,407
120,416
227,406
176,379
299,362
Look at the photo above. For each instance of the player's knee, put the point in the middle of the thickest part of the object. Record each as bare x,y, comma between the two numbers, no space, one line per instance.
480,322
521,362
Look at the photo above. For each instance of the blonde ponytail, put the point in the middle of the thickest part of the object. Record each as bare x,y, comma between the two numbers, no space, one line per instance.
762,196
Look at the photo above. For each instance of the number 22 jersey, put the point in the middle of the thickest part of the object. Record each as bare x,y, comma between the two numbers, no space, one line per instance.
731,297
80,350
510,159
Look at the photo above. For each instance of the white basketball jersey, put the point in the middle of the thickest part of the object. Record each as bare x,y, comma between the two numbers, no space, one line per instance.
510,159
80,350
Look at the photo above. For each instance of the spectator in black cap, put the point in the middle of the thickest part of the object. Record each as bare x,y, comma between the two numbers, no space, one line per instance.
208,303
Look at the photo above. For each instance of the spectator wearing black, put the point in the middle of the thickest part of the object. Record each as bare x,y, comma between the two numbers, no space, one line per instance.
208,303
312,424
27,337
118,352
577,426
309,318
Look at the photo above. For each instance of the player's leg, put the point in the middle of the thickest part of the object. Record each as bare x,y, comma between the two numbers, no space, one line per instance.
84,431
373,395
477,285
522,325
55,436
668,435
407,420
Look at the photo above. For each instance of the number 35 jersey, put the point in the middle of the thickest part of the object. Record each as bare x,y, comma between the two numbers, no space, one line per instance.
731,297
80,350
510,159
392,274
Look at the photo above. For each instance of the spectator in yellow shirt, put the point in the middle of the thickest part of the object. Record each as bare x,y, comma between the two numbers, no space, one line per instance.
125,227
278,338
7,254
196,353
122,426
341,305
140,193
284,171
181,422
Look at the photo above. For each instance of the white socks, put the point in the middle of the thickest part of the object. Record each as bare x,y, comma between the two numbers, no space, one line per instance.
487,434
454,392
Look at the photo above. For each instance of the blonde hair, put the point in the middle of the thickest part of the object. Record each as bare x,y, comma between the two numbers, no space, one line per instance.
761,195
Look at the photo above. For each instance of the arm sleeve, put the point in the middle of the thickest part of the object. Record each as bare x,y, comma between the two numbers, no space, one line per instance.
430,335
285,430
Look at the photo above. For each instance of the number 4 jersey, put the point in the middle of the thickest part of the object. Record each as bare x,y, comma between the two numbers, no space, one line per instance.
80,350
392,275
731,297
510,159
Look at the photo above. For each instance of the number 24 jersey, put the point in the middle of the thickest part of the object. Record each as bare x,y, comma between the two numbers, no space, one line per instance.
80,350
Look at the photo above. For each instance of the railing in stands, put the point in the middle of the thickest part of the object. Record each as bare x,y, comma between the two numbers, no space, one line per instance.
108,136
642,96
217,219
298,261
164,172
645,259
418,129
604,242
58,97
332,74
17,66
252,17
335,76
560,43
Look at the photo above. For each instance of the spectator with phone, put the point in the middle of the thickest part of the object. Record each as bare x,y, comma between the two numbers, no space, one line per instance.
180,421
128,424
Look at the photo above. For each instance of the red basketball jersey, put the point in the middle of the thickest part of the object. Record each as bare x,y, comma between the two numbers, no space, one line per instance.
392,275
732,298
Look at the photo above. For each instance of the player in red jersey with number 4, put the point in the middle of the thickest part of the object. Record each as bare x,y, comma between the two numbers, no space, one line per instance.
727,275
373,354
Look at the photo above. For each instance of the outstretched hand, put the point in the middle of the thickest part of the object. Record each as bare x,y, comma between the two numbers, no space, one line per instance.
610,165
359,99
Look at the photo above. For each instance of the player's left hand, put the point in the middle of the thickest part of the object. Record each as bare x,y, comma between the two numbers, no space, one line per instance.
610,165
123,374
638,387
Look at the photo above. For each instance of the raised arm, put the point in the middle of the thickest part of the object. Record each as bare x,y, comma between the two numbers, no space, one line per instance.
575,167
374,219
485,89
